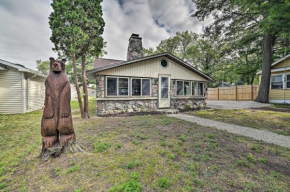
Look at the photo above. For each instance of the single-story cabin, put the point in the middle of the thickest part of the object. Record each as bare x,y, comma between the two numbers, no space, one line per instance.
21,89
147,83
280,81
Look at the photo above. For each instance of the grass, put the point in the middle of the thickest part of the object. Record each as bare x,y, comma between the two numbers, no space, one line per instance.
140,153
274,121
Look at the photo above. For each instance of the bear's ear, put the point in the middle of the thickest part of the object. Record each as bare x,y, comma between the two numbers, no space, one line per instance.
51,59
63,60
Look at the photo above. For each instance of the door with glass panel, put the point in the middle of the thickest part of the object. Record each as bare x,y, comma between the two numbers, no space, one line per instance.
164,91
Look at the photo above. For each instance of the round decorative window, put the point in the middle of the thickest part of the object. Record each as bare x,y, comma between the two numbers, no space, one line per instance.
164,63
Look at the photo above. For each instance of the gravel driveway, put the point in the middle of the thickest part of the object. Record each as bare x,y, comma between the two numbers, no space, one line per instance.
217,104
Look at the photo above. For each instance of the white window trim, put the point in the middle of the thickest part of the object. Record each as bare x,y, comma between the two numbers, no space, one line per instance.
131,87
117,86
283,81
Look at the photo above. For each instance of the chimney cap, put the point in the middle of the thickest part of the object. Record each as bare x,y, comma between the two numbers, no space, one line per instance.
135,36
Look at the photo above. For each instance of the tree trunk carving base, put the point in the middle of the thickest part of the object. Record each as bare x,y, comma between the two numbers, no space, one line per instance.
56,150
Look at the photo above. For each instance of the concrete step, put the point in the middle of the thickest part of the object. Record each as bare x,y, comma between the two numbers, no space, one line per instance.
168,111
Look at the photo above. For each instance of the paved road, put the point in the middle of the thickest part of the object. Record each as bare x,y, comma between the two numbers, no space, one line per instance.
262,135
217,104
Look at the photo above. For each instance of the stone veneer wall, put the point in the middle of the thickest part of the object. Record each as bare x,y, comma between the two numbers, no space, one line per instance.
119,105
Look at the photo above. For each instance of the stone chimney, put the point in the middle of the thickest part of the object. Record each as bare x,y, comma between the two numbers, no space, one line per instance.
135,49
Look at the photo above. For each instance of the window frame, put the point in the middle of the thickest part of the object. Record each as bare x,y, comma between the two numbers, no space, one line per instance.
203,88
189,84
282,81
190,88
106,86
287,81
141,84
177,89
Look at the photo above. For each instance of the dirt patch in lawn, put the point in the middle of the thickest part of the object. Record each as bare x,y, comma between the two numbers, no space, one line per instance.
162,153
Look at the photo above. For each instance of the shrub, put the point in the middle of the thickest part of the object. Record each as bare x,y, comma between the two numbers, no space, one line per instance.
162,143
243,162
251,158
133,164
182,138
171,156
163,182
133,185
211,136
74,168
3,185
118,146
263,160
101,146
57,171
170,145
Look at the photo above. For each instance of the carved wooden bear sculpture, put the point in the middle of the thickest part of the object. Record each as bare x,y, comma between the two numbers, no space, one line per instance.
56,125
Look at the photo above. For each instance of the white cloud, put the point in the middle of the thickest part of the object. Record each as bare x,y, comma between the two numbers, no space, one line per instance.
25,32
154,20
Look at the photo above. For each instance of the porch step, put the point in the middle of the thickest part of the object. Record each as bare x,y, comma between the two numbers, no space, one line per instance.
168,111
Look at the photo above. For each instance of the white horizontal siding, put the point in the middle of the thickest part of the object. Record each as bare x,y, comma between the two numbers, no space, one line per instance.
11,91
152,68
36,93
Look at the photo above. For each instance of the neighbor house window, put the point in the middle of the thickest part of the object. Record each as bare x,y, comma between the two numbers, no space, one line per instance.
141,87
117,86
288,81
277,82
197,89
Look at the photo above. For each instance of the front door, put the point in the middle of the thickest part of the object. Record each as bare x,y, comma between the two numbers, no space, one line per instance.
164,91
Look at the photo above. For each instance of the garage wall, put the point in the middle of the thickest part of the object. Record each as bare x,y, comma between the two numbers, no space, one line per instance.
11,97
36,93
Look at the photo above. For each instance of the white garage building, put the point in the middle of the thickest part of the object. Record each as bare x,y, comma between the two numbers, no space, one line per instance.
21,89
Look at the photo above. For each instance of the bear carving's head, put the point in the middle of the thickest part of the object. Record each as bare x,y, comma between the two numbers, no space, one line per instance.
57,66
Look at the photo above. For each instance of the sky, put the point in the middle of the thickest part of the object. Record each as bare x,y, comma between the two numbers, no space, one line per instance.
25,32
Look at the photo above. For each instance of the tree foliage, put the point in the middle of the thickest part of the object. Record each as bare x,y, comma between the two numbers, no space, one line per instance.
266,20
43,66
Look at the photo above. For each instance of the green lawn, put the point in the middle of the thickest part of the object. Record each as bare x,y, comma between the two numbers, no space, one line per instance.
152,153
275,121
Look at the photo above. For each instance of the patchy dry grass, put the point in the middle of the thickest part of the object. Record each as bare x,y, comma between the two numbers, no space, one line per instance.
153,153
278,122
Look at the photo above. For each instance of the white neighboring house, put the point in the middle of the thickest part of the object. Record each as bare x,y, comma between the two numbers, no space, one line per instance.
21,89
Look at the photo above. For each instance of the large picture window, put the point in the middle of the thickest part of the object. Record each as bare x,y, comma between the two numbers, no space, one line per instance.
277,82
141,87
117,86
